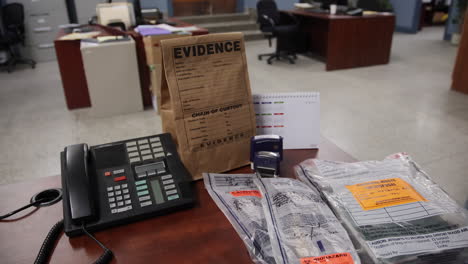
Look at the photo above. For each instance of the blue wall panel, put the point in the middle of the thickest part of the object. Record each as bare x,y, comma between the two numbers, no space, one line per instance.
408,13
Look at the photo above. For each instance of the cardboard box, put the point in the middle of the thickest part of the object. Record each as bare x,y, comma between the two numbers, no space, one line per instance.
153,48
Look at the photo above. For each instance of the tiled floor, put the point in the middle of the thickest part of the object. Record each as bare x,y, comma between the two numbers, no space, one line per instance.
369,112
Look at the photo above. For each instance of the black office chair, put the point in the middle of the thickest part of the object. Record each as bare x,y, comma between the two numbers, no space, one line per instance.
281,25
12,34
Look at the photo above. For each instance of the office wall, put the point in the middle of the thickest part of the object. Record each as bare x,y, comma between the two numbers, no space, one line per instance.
408,13
166,5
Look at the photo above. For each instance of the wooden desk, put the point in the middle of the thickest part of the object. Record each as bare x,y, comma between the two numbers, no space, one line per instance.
347,41
72,72
198,235
459,75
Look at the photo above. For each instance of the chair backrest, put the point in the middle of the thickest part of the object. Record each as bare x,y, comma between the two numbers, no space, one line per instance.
13,15
269,8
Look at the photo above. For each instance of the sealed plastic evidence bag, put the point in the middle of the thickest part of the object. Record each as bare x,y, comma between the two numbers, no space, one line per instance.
281,220
393,209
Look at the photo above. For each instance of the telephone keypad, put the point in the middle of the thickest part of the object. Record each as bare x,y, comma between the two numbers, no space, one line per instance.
116,199
142,150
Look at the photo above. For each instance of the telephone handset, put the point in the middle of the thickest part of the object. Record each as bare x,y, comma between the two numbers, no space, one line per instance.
78,182
121,182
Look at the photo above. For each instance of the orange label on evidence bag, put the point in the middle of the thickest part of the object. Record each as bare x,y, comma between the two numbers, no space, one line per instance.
247,193
382,193
337,258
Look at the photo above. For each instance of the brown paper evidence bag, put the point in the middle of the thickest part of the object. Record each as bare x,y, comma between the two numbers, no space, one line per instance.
206,101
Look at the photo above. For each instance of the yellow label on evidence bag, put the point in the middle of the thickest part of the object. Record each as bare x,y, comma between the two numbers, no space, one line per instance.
382,193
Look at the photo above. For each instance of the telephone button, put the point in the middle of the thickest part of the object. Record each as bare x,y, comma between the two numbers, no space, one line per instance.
121,178
119,198
114,211
155,139
107,173
127,202
112,205
168,181
129,144
118,192
160,154
111,200
142,141
140,182
157,149
117,187
127,196
173,197
120,204
130,149
143,193
144,198
145,152
147,157
146,203
125,190
171,192
124,185
141,174
155,145
165,177
119,171
109,189
110,194
168,187
142,187
151,173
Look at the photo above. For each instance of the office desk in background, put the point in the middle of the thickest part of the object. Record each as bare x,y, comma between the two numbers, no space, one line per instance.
198,235
72,72
347,41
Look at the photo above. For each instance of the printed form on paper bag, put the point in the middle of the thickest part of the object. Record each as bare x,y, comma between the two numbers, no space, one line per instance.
207,102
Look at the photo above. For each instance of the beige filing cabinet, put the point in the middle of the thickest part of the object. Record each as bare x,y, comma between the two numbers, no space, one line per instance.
111,70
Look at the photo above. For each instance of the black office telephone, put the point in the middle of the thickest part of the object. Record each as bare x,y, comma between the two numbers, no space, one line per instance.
122,182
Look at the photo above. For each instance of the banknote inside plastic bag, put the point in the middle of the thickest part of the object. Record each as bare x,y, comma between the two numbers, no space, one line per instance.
307,232
302,228
238,198
393,209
